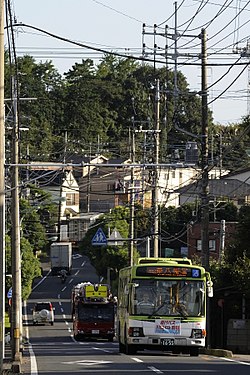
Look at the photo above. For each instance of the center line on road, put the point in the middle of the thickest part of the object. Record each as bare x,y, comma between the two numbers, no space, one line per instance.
101,349
137,359
155,369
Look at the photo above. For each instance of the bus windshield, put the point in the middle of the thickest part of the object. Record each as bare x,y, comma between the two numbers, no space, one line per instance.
168,297
93,313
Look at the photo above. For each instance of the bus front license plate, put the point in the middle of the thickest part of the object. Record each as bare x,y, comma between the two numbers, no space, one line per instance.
95,331
167,342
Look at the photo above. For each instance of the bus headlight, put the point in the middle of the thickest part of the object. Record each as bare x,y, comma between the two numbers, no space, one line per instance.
135,332
198,333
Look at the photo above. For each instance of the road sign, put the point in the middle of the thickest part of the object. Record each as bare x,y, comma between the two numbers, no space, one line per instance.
115,238
9,294
99,238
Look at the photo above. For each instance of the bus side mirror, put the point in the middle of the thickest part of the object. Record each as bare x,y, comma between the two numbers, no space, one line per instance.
210,290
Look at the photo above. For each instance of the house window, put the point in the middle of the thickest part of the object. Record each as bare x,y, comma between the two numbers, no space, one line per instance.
212,245
173,174
198,245
241,201
110,187
70,199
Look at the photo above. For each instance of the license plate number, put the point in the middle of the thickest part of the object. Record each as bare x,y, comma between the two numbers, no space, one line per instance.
95,331
167,342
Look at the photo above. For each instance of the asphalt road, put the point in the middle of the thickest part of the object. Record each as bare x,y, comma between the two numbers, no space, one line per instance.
53,350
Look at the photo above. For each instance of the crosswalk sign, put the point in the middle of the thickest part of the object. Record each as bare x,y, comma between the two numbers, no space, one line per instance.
99,238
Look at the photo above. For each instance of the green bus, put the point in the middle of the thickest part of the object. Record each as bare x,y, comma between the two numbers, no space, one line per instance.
162,306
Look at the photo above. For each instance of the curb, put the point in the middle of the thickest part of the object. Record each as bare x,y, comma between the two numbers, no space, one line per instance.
218,352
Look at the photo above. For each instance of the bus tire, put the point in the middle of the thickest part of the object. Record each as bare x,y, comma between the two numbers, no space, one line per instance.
77,337
121,348
129,349
194,352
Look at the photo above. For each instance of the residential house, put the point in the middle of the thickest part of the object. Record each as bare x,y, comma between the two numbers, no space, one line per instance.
220,190
217,242
79,225
223,190
172,178
241,175
109,186
64,190
82,165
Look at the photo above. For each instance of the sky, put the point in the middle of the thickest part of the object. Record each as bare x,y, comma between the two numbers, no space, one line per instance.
114,25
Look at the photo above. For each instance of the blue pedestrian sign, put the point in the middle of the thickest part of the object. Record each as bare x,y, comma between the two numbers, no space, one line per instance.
99,238
9,294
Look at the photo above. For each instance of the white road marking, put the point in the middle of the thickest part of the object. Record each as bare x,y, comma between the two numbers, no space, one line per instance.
137,359
236,361
33,364
102,350
155,370
87,362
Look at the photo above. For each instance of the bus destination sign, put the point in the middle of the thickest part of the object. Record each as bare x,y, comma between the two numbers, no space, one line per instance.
168,271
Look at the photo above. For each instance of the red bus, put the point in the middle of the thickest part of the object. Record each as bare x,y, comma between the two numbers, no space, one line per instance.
93,311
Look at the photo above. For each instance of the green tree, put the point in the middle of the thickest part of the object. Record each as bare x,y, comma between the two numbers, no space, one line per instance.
37,106
31,226
30,266
241,275
240,245
105,257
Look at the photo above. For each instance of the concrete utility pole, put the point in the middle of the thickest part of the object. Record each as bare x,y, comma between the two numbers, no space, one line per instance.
204,156
2,190
16,307
132,202
156,172
204,167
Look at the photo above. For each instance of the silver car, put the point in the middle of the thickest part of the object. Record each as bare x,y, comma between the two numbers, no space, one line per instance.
43,312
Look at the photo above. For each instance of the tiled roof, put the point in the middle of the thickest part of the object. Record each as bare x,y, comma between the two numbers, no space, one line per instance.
218,188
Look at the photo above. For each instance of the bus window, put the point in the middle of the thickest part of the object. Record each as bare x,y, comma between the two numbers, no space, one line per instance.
174,298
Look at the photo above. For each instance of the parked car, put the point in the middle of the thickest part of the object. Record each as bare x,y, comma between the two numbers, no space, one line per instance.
43,312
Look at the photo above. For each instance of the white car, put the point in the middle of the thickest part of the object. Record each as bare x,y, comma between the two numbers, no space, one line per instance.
43,312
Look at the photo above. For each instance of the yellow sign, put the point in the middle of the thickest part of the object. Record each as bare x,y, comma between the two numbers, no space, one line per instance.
96,291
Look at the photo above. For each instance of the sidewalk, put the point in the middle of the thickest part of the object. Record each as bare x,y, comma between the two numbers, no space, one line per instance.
22,367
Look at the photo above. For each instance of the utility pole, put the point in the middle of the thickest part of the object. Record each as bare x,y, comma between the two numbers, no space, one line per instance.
132,201
16,307
2,190
204,156
204,167
156,172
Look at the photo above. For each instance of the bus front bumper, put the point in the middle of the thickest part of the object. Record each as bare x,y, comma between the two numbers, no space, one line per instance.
166,342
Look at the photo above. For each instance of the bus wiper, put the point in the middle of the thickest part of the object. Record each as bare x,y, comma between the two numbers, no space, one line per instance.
158,308
181,309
